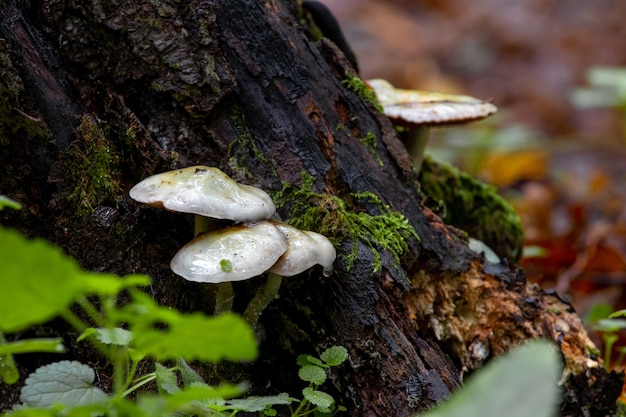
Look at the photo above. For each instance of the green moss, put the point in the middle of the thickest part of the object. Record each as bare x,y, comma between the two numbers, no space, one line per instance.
340,222
92,166
243,147
362,90
474,207
369,141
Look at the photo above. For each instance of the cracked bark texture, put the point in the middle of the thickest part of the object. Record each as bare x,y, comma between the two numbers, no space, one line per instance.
244,86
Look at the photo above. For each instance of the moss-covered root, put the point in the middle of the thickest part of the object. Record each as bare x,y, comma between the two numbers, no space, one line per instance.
262,298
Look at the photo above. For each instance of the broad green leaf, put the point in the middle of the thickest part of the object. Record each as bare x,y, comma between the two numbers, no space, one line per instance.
256,404
522,383
334,356
166,379
188,374
313,374
67,382
39,281
33,345
196,336
113,336
165,333
107,284
318,398
7,202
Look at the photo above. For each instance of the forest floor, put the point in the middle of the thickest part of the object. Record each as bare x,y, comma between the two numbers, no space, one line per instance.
561,163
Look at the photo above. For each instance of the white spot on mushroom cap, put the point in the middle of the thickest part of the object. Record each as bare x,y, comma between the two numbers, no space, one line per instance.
251,249
426,108
205,191
305,249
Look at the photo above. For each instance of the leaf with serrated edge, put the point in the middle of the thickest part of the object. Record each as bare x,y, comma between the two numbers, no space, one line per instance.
334,355
318,398
313,374
67,382
40,281
255,404
113,336
166,379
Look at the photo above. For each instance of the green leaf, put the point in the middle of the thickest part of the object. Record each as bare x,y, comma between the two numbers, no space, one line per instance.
166,379
107,284
610,325
334,355
7,202
164,333
39,281
67,382
302,360
520,384
113,336
196,336
8,370
256,404
188,374
313,374
186,399
33,345
318,398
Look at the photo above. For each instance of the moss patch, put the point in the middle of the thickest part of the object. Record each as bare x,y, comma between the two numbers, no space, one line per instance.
474,207
89,169
362,90
341,221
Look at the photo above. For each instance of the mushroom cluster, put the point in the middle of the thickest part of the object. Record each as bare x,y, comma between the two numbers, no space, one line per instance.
418,110
250,247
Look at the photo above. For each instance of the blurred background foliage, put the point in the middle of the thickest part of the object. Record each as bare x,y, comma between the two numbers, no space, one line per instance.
557,147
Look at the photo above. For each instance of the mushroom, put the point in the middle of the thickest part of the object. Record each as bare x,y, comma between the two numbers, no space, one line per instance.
419,110
204,191
305,249
208,193
231,254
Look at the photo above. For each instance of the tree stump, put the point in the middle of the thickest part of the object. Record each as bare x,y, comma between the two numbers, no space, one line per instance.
99,95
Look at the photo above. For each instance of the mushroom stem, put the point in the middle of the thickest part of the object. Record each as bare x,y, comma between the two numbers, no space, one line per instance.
224,295
262,298
416,140
223,298
202,224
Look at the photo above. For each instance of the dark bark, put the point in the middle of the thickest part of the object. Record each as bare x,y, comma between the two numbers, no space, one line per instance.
159,85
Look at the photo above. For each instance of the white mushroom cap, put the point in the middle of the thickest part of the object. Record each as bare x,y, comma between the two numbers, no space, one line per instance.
205,191
425,108
230,254
305,249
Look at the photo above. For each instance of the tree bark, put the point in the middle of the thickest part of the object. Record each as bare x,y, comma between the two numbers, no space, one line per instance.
136,88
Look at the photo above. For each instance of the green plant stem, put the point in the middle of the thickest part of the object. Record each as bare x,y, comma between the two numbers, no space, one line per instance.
91,311
416,140
73,320
301,410
140,383
120,364
262,298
